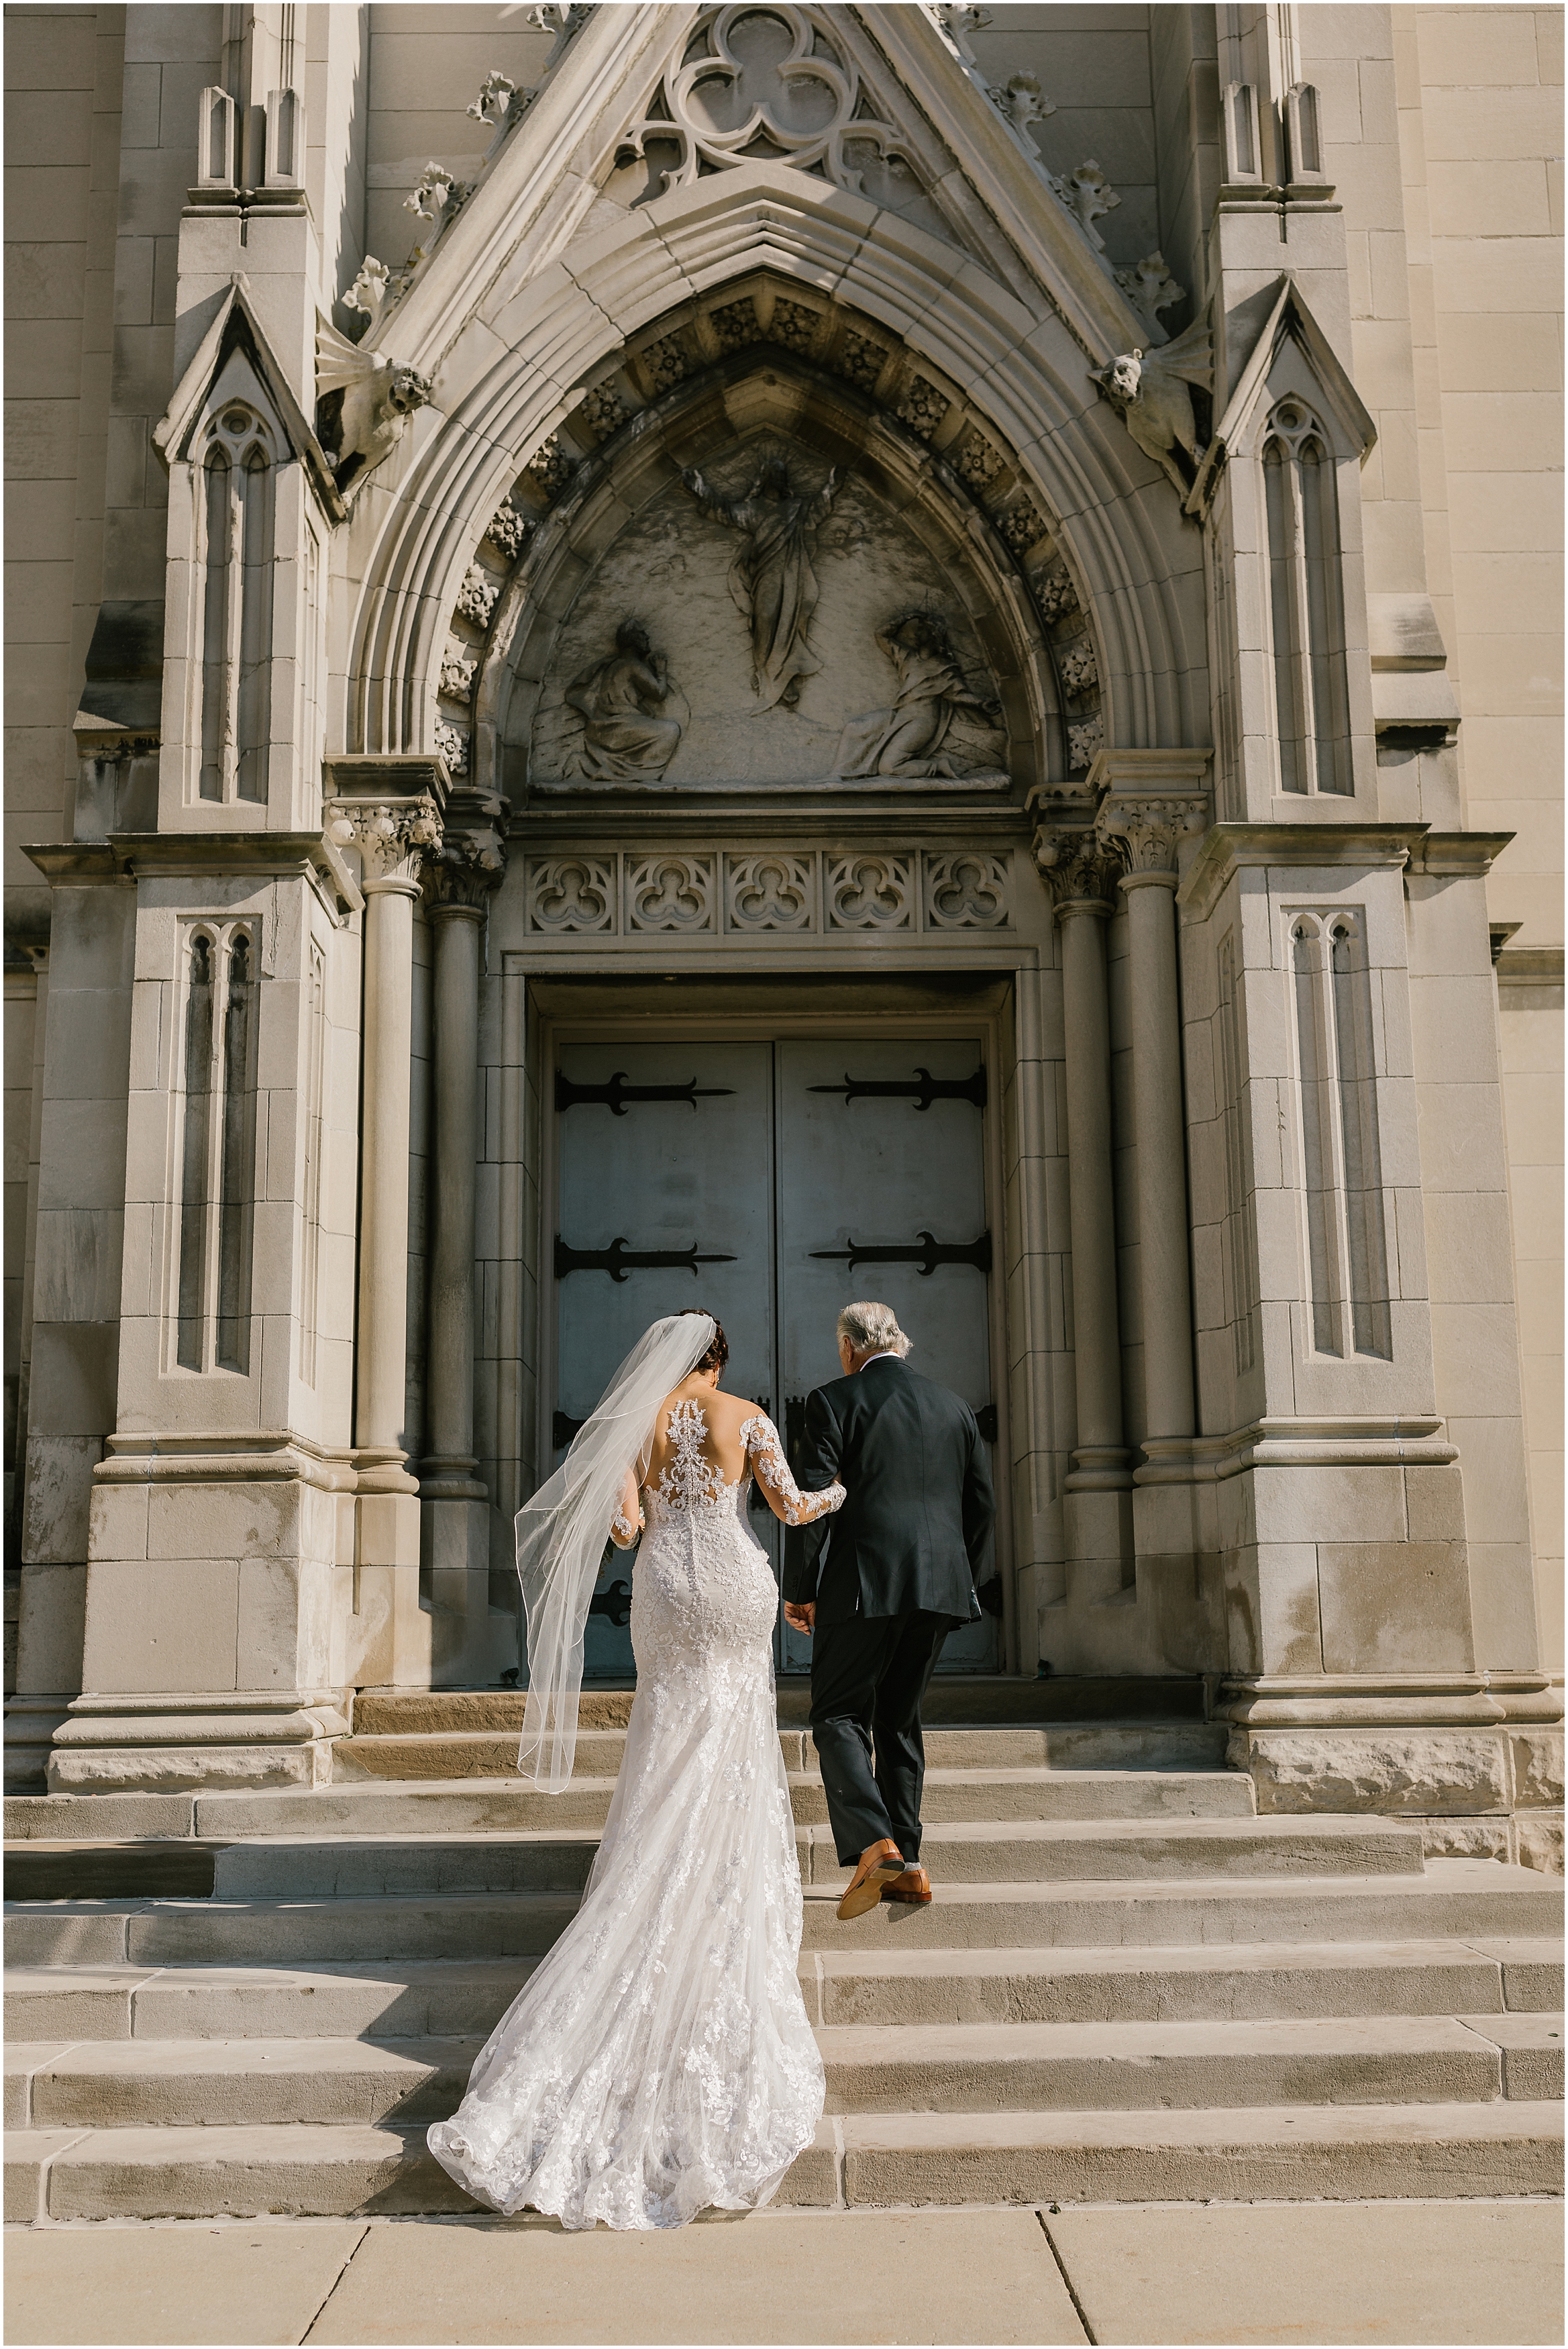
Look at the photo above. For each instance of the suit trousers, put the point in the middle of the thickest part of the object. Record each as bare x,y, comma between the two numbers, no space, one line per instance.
868,1677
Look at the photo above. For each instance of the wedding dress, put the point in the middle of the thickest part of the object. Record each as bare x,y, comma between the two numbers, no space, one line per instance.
659,2060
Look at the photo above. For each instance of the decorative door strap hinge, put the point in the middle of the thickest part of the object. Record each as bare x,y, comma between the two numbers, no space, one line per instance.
927,1256
618,1259
930,1088
616,1095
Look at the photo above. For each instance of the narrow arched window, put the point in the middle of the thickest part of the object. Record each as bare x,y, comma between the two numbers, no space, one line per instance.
235,548
1306,605
238,1156
215,553
217,1151
1341,1154
191,1347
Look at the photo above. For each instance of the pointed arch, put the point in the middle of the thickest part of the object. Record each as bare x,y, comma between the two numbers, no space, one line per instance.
517,375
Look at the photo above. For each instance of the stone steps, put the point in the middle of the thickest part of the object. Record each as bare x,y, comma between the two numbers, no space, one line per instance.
1351,2152
414,1755
1127,1982
984,1851
977,1701
883,2068
457,1997
1465,1898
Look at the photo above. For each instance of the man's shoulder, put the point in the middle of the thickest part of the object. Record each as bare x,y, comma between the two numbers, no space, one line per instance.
835,1393
935,1396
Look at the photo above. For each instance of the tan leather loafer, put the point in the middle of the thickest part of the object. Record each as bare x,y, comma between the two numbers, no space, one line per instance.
881,1863
913,1886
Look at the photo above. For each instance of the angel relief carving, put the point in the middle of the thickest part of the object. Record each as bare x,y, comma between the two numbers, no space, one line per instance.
907,738
623,738
771,579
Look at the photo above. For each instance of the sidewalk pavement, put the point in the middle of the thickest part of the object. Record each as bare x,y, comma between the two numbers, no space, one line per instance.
1308,2273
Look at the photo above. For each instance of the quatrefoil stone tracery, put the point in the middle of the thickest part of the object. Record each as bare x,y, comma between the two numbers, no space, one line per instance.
790,92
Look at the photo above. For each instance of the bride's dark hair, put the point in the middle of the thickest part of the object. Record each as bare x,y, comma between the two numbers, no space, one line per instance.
718,1354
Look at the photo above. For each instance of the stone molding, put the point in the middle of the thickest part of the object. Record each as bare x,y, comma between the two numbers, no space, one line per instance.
131,856
1397,1442
1447,854
1230,848
1357,1699
265,1455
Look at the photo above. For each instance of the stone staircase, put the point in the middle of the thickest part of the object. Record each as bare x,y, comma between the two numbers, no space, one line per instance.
1127,1986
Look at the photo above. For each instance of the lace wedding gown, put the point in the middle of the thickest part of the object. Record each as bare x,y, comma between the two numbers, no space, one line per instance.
659,2061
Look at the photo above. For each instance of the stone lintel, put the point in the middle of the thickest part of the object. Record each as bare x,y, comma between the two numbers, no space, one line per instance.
1229,848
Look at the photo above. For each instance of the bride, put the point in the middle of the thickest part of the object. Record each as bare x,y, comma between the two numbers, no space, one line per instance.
658,2061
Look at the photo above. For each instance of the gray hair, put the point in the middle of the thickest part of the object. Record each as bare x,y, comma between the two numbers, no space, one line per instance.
872,1330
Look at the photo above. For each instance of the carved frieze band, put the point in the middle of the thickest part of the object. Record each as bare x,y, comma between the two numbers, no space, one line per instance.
768,890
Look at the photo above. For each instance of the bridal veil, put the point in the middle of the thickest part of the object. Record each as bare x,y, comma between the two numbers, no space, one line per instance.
562,1533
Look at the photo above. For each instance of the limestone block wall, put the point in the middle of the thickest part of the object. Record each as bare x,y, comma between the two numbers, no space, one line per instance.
1481,116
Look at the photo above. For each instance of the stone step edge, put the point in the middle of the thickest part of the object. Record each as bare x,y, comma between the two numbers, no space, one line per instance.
1345,2152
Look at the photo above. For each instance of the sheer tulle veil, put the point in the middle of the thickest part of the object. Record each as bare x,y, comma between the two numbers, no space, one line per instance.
562,1533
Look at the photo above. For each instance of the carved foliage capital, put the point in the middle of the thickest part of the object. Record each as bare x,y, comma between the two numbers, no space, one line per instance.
468,867
1079,866
1148,830
392,837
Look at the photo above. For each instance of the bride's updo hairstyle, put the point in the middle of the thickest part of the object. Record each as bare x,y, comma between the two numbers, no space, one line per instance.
718,1354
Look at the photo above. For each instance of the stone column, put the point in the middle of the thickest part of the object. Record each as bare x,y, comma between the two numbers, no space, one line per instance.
455,1511
1149,829
1080,871
389,1634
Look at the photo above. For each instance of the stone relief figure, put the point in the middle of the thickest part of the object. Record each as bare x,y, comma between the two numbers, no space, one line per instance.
906,740
624,740
771,579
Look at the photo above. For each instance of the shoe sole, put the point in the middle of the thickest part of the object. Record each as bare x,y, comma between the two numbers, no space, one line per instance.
869,1891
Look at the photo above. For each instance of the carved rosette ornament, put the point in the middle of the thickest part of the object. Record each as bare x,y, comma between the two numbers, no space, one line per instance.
1147,831
1080,867
392,837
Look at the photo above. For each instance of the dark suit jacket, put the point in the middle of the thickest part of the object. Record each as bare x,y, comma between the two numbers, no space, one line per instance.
915,1530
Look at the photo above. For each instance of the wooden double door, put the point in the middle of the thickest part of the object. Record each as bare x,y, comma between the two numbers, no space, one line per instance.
770,1183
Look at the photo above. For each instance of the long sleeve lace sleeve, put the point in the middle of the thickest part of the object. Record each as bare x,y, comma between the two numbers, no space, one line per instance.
628,1520
771,1471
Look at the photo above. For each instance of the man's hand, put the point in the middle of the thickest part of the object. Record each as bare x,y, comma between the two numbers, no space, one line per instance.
801,1618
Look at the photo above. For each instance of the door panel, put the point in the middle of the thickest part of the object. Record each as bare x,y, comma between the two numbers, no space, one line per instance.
777,1179
663,1175
881,1170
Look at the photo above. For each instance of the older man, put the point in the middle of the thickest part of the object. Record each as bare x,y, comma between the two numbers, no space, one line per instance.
880,1596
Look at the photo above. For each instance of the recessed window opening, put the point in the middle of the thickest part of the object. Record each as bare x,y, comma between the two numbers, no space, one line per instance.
217,1152
1345,1246
235,558
1306,609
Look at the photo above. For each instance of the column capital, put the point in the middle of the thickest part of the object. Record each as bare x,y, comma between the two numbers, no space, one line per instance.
1080,868
1148,830
392,837
459,881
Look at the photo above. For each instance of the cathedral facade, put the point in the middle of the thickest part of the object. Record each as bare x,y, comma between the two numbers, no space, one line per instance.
748,656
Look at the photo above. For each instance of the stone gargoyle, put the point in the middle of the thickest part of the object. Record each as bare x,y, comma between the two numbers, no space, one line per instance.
1148,390
363,402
